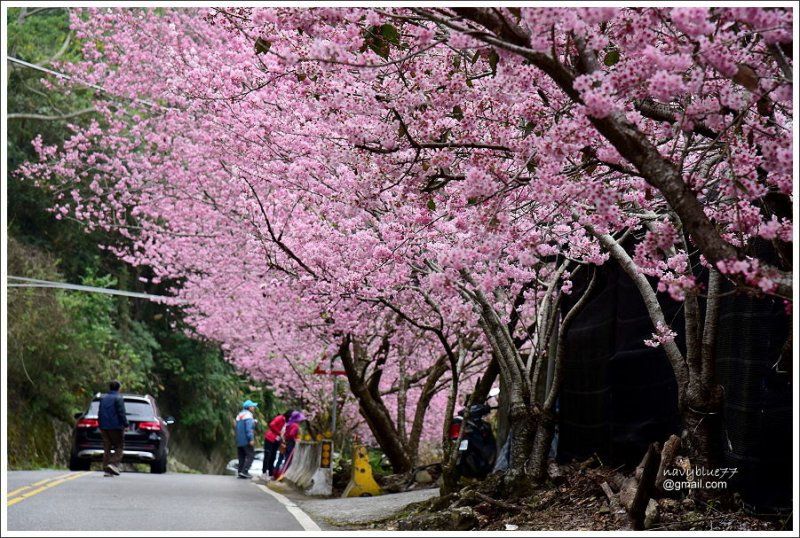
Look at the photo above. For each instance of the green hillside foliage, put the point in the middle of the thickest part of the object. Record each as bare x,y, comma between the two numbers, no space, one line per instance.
64,346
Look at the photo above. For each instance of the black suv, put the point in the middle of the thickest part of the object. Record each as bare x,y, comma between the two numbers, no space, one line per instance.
146,439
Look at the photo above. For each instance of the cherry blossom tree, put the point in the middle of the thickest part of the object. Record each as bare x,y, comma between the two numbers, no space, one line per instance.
720,82
385,185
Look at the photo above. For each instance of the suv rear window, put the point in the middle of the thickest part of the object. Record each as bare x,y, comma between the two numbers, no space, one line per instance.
132,408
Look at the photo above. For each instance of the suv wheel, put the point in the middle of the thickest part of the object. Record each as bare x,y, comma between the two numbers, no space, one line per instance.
159,466
77,464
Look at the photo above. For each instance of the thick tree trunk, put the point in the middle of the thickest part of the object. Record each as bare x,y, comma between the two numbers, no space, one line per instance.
522,420
702,440
703,404
702,426
380,424
375,413
450,448
450,475
541,446
516,482
512,373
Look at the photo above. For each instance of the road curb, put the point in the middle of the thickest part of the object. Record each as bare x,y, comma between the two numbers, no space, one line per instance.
304,519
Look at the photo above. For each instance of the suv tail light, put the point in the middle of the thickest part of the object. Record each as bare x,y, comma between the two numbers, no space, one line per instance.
151,426
88,423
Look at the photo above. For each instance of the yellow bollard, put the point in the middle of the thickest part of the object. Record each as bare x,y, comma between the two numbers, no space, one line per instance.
362,484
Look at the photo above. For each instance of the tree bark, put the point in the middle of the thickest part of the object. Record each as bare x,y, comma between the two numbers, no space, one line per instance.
487,380
702,425
701,410
402,401
512,371
449,447
541,445
524,423
547,421
428,391
374,411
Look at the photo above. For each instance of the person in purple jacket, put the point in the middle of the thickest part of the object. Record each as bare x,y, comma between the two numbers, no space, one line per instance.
290,435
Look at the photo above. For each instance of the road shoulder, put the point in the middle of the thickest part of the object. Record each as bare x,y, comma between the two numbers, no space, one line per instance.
352,512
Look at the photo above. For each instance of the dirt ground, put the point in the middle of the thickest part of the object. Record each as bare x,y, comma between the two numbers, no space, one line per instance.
576,502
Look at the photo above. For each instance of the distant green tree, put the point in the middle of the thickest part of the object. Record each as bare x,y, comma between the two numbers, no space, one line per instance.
206,390
41,36
65,345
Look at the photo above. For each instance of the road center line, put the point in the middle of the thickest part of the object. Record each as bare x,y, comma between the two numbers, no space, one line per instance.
46,480
12,493
44,484
305,521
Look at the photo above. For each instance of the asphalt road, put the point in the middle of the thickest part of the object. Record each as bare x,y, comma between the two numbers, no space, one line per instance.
77,501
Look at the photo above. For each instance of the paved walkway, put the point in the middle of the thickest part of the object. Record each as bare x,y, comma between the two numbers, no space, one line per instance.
340,514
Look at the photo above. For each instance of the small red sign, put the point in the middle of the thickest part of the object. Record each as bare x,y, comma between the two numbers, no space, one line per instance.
329,372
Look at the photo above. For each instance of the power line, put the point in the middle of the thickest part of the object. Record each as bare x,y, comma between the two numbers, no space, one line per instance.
21,282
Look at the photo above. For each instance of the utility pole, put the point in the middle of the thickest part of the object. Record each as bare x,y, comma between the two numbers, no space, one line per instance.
334,374
333,400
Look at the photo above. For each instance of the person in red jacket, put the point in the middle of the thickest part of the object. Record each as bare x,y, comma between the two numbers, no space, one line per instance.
290,434
272,440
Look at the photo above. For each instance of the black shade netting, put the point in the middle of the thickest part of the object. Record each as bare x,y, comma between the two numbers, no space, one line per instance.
618,395
757,409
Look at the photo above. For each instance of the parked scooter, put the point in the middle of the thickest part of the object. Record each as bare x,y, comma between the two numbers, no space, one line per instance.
478,449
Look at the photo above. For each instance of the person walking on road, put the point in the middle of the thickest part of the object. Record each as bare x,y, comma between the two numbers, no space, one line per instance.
272,440
245,438
290,434
113,422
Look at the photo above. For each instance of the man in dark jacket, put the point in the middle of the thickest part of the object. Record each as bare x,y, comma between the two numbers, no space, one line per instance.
113,423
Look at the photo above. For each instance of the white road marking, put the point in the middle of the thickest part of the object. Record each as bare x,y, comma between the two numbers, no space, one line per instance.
305,521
